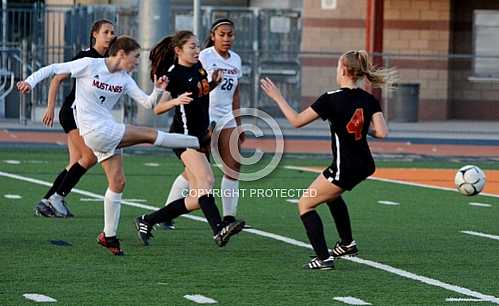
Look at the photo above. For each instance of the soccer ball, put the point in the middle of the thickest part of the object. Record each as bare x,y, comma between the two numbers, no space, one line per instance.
470,180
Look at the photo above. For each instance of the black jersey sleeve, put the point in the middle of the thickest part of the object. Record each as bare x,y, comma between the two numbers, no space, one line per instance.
323,106
173,84
375,105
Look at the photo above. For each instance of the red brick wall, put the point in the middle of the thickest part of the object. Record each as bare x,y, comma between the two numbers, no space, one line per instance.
416,27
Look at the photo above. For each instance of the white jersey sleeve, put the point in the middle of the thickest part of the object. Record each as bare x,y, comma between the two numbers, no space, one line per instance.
76,68
148,101
204,59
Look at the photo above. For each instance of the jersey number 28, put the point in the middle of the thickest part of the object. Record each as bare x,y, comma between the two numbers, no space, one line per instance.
356,124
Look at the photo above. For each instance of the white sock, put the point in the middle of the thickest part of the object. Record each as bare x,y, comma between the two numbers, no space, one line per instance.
230,196
174,140
178,189
112,208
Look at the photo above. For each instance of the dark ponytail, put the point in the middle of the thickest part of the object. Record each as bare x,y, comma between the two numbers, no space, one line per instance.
95,28
162,56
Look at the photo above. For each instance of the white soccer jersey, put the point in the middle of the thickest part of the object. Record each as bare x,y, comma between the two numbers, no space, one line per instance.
221,97
97,90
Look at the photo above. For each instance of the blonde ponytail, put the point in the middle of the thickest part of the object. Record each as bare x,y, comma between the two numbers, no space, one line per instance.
359,65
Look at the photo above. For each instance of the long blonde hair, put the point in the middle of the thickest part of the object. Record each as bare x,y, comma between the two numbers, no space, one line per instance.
359,65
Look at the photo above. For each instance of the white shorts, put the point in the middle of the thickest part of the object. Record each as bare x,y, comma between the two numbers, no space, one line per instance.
226,121
104,140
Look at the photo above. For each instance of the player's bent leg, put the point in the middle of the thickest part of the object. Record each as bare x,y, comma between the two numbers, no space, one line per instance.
178,190
87,159
202,182
136,135
321,190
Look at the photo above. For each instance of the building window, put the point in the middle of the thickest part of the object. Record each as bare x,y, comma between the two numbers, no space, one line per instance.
486,43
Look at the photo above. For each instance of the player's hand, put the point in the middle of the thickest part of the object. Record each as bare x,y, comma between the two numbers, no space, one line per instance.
48,117
217,76
161,82
271,89
183,99
23,87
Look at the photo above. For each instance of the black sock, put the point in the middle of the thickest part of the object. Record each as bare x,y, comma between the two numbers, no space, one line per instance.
74,174
315,233
58,180
339,211
168,212
210,211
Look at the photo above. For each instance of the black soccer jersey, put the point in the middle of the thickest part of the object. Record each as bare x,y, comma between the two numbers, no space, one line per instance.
192,118
68,101
349,112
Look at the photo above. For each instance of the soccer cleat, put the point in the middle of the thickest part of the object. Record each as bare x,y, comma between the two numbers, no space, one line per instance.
341,250
43,208
168,225
57,204
143,230
69,213
318,264
111,243
228,230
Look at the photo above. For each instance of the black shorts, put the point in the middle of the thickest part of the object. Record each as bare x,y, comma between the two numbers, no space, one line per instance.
205,149
204,142
67,118
347,179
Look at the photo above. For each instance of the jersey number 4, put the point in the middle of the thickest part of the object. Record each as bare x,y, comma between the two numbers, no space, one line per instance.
356,124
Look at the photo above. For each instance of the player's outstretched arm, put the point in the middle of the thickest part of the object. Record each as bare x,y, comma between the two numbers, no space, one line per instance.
75,68
378,127
296,119
167,103
148,101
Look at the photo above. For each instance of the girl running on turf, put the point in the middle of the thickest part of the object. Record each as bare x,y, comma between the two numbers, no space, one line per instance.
352,114
81,158
100,82
224,102
189,86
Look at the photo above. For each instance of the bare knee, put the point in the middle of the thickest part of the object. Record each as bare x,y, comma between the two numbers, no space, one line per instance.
204,181
305,206
73,158
87,161
117,183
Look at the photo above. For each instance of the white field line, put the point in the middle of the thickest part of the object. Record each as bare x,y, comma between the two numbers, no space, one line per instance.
350,300
294,201
380,266
40,298
479,204
463,300
389,203
12,196
100,200
481,235
374,178
200,299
